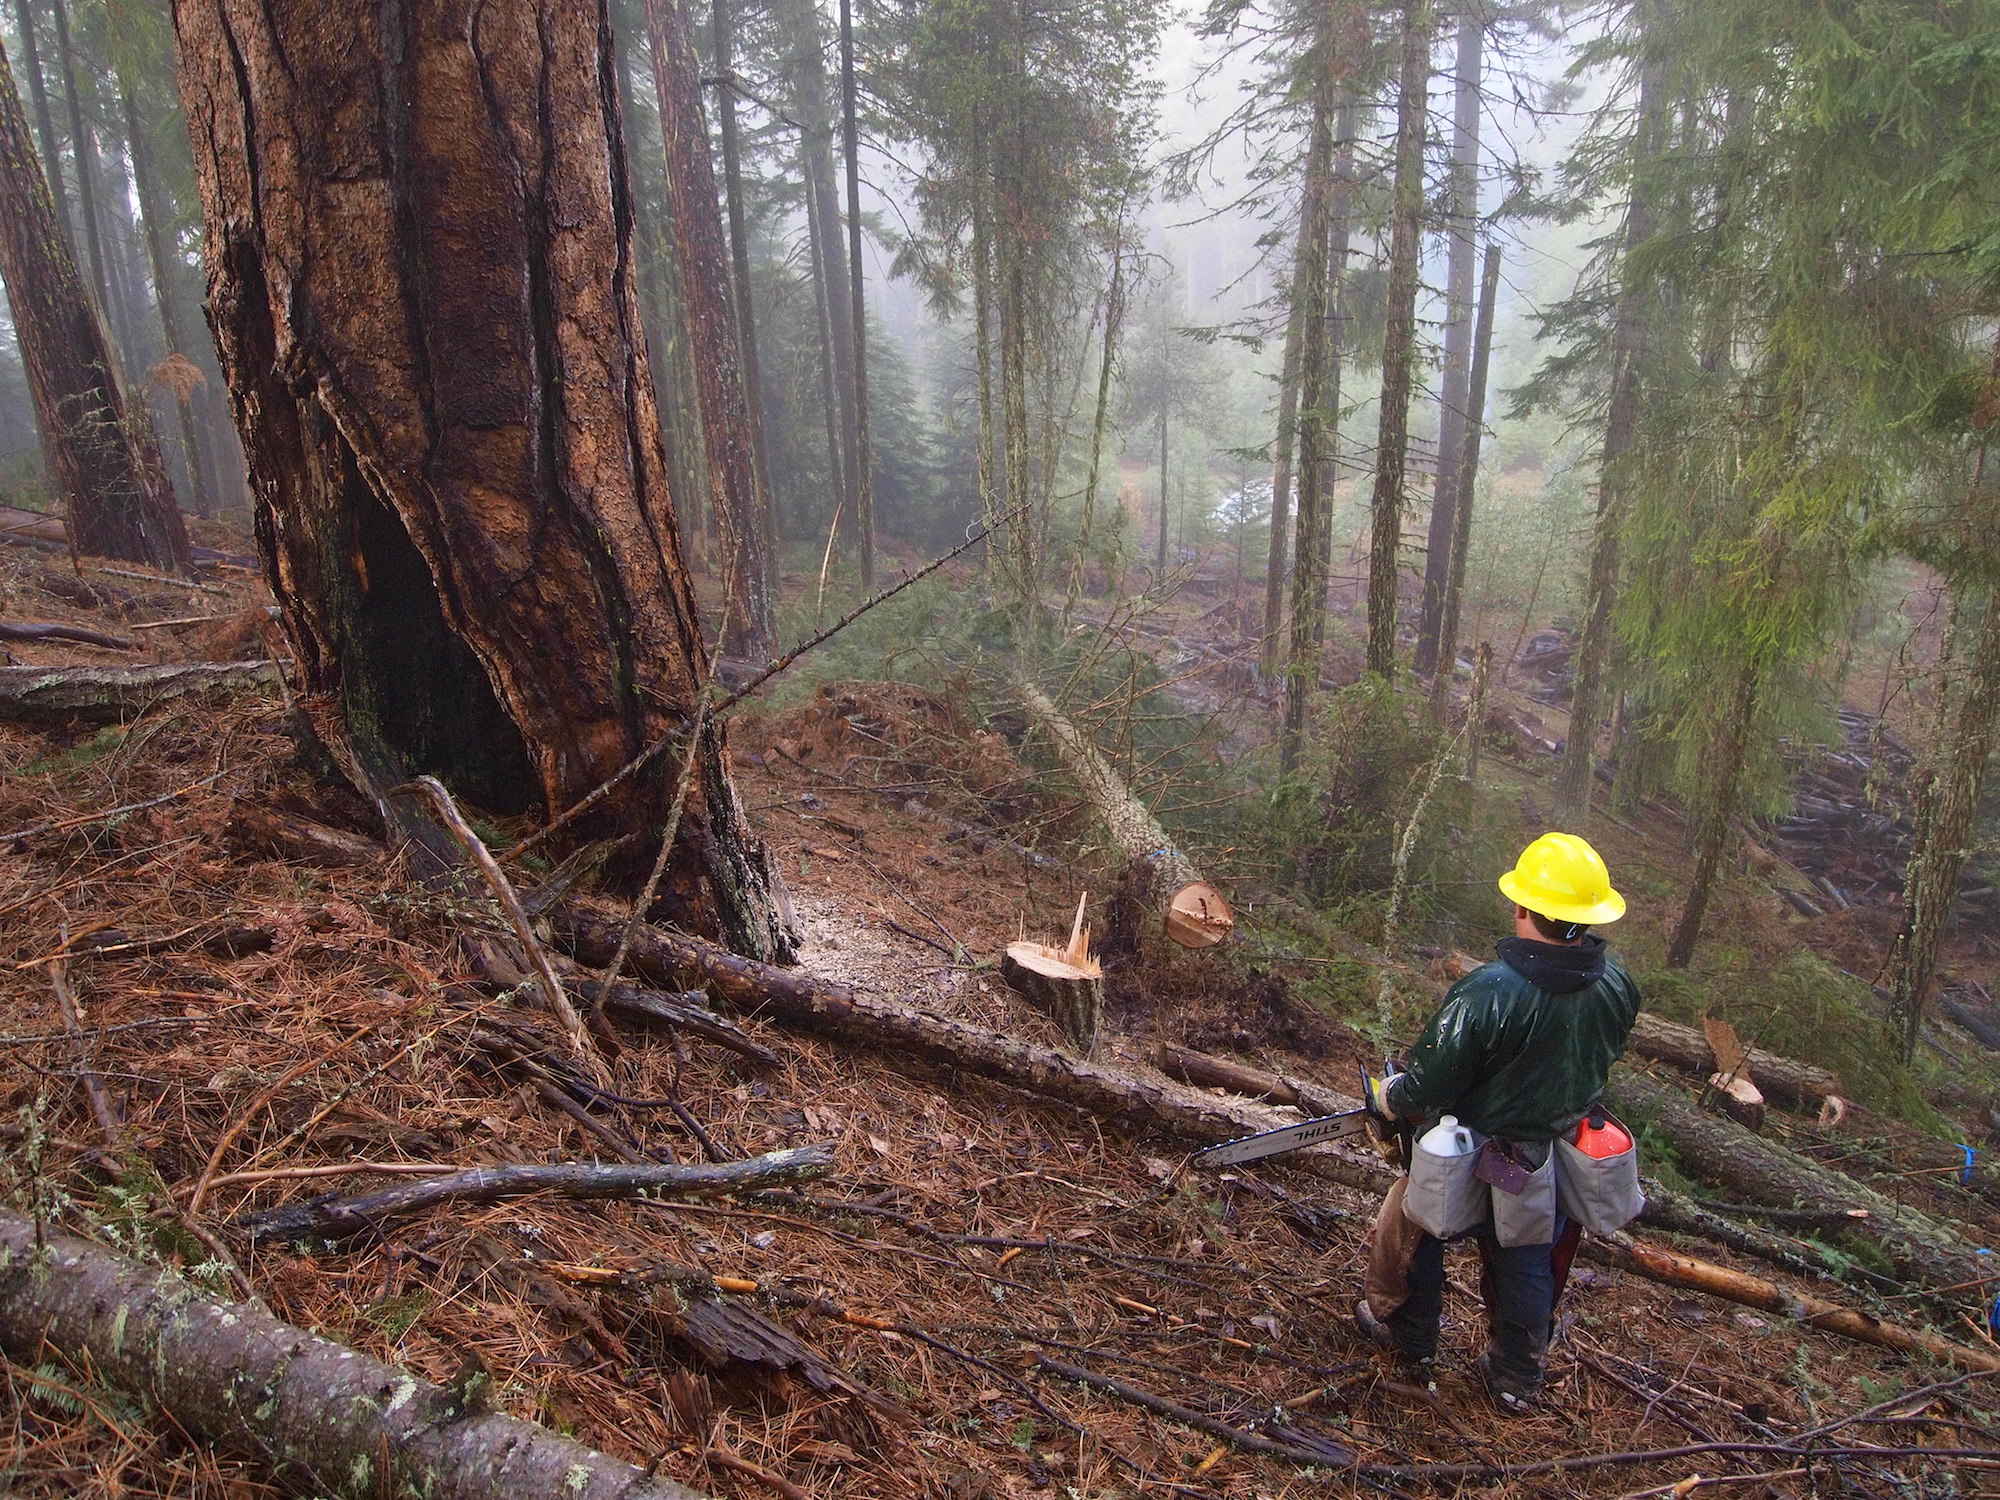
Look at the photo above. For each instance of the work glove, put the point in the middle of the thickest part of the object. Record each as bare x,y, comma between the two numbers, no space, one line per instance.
1378,1094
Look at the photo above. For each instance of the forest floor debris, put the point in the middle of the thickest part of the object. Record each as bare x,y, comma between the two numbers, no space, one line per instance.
972,1246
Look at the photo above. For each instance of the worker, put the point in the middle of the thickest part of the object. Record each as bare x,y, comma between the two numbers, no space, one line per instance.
1518,1053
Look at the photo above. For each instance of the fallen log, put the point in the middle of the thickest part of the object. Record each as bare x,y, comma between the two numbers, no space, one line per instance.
30,528
326,1419
1720,1151
46,694
1219,1072
1193,912
334,1217
266,830
686,1011
884,1029
1979,1030
1799,1084
36,630
1668,1269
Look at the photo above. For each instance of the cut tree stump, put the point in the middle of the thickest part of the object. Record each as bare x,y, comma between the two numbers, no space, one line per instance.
1193,912
35,695
326,1419
1065,983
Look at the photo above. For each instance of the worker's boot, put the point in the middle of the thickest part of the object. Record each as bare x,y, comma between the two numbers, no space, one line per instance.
1411,1359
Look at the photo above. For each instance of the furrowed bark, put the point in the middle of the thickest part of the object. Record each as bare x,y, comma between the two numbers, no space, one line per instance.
427,310
1399,337
100,451
327,1420
1277,567
1193,911
336,1218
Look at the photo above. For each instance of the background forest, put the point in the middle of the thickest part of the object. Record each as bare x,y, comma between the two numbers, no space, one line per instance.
1357,437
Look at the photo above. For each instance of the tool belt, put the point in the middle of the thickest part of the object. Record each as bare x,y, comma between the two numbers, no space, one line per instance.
1518,1186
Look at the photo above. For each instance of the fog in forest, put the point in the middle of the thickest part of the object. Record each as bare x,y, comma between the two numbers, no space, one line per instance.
980,749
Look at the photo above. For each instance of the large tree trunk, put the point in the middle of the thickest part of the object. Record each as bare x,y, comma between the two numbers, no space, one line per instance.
1316,424
807,71
1467,473
1277,566
1728,751
101,455
45,124
1313,552
83,147
328,1420
1454,409
153,211
864,480
1948,798
1406,244
749,621
431,332
1576,781
746,308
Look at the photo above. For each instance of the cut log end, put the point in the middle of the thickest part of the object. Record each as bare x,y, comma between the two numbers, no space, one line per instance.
1197,916
1064,984
1738,1098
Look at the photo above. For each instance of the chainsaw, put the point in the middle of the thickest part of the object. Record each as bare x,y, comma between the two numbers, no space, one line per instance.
1382,1133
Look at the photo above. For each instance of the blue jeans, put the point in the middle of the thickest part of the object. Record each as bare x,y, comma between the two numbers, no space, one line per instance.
1520,1287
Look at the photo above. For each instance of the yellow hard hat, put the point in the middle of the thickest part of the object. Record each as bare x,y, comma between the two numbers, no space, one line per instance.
1563,878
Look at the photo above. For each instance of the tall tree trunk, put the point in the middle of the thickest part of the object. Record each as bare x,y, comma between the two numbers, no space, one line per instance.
101,453
84,149
1277,564
1468,476
1406,243
1310,276
864,479
660,305
1015,451
807,72
1114,321
152,209
982,339
430,327
765,512
749,623
1730,750
1160,556
1576,781
1948,795
829,376
1462,213
45,125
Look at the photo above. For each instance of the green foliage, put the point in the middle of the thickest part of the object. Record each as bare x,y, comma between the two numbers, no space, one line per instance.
1798,1006
77,756
395,1316
1329,829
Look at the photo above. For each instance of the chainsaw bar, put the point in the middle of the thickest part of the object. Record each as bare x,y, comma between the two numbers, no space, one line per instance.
1306,1133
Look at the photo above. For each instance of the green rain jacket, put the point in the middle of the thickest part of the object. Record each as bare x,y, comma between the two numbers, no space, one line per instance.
1522,1046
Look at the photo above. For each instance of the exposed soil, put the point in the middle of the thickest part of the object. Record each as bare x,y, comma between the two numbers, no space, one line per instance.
1228,1294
